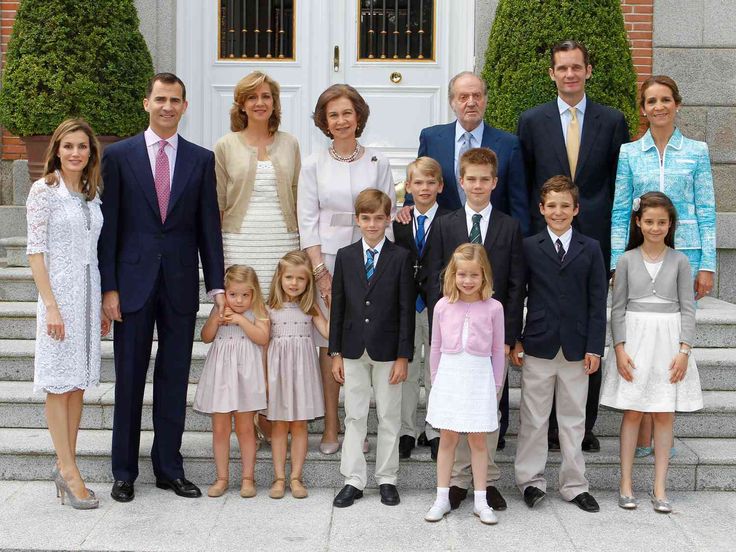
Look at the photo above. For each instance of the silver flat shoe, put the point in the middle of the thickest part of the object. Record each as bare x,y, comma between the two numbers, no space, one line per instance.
661,506
627,502
487,516
436,513
329,448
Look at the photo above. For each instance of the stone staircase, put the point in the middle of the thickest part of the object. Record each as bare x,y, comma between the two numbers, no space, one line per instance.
706,440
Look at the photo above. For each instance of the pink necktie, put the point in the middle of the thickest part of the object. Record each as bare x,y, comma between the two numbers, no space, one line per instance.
162,180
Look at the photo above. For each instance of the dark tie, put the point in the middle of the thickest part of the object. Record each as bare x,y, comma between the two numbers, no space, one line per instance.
369,266
560,250
475,230
420,240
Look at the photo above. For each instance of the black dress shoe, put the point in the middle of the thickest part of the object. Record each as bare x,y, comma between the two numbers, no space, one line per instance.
347,496
533,496
553,442
501,444
422,440
406,443
591,443
434,448
586,502
457,495
123,491
182,487
389,494
494,499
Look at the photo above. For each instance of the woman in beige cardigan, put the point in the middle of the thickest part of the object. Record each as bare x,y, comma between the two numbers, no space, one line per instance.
257,173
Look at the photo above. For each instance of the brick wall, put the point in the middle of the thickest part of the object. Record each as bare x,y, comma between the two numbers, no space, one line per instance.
11,147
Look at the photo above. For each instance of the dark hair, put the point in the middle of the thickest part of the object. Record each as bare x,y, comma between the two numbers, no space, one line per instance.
479,156
664,80
340,91
166,78
568,46
560,184
650,200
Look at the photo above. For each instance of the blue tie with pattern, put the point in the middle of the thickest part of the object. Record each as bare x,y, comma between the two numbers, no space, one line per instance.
369,266
420,240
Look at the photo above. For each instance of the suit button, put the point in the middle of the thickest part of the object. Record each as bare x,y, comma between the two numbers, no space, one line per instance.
367,320
367,303
158,256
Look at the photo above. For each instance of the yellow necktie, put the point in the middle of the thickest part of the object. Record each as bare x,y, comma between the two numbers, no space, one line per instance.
573,141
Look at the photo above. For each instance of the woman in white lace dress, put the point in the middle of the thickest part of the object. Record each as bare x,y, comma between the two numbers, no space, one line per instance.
64,221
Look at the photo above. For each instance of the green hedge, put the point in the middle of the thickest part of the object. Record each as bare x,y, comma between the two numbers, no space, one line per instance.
517,58
73,58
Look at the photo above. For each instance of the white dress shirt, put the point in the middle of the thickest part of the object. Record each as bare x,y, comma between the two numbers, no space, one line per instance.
476,139
486,218
430,214
377,250
152,140
565,238
565,115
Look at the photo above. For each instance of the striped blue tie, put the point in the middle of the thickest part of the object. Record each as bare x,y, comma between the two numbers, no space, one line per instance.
420,239
369,266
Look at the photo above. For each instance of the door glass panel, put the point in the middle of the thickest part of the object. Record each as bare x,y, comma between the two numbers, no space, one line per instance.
396,29
256,29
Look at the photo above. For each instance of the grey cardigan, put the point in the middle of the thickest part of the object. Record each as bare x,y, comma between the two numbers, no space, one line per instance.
674,282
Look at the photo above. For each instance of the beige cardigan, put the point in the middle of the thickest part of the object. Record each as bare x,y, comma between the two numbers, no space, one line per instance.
235,166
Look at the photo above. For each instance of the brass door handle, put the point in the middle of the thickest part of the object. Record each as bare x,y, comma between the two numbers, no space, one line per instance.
395,77
336,59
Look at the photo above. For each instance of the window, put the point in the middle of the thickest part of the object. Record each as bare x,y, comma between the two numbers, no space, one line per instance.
256,29
396,29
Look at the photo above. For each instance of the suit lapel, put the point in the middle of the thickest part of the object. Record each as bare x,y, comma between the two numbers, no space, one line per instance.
446,158
491,232
356,259
141,165
427,242
576,247
383,259
591,128
553,126
182,172
547,247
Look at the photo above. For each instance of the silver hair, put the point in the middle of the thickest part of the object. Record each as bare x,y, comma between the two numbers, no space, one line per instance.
451,85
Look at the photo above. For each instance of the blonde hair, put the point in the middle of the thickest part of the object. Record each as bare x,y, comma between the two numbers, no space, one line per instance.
467,252
247,85
241,274
91,174
424,165
277,297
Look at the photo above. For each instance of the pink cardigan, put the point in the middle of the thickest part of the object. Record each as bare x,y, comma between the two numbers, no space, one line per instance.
485,333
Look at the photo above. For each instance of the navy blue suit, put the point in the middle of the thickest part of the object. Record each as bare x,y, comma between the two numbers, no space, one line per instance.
566,305
510,195
154,268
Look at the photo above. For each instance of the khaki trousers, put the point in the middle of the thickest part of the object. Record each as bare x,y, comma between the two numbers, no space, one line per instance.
360,376
461,474
541,379
418,369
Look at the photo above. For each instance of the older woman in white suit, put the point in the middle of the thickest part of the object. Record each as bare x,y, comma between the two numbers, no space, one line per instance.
329,182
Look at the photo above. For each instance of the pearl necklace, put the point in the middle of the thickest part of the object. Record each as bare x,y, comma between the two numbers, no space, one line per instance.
350,158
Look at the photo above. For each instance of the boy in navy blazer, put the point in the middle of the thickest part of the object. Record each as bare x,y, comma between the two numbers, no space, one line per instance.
424,182
561,345
371,343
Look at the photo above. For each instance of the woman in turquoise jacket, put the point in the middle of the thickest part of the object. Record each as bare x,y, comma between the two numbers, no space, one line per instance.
666,161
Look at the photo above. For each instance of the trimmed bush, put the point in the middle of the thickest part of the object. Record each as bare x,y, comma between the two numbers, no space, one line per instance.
68,58
517,58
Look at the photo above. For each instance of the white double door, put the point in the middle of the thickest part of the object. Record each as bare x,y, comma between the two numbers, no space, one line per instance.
404,95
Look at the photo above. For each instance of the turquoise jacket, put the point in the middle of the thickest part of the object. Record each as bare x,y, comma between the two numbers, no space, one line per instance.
683,174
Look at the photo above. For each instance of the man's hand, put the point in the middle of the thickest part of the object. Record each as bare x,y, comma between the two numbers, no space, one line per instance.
111,305
591,363
220,303
399,371
517,355
338,369
403,215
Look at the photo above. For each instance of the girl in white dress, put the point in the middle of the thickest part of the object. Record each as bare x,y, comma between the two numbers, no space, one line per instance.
64,222
467,372
653,327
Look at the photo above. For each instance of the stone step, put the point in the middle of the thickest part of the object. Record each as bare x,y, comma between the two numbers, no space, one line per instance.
717,367
15,251
27,454
19,407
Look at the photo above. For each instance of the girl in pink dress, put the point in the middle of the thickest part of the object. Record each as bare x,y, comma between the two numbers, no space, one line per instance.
294,380
233,382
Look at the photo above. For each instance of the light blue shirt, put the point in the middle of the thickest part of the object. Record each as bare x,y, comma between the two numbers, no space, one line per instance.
565,115
476,139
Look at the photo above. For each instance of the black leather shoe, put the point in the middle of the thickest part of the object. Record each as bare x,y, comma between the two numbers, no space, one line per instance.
553,442
123,491
389,494
347,496
422,440
586,502
494,499
434,448
182,487
591,443
501,444
533,496
406,443
457,495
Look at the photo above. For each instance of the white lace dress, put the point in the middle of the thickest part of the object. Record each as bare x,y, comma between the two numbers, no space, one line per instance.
64,227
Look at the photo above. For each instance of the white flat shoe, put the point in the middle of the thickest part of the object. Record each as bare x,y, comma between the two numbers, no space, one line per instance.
486,515
436,513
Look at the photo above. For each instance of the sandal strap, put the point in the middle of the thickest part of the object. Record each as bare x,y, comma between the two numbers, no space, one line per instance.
277,479
299,479
244,478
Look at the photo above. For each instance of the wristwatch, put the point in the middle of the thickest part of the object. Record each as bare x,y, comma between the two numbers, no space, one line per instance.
333,354
686,352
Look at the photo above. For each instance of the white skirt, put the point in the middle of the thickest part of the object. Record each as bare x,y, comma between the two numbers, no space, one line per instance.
463,396
652,341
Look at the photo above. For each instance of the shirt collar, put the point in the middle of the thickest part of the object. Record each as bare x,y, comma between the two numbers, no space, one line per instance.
485,213
430,214
563,106
565,238
675,141
152,139
477,132
377,248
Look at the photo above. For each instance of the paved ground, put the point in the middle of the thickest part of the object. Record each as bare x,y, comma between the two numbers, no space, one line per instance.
32,519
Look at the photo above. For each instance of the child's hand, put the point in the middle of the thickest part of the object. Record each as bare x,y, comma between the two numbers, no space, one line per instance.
338,369
227,316
399,371
517,354
678,368
624,364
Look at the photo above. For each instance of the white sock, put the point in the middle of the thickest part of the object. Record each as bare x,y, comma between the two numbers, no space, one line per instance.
479,500
443,497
